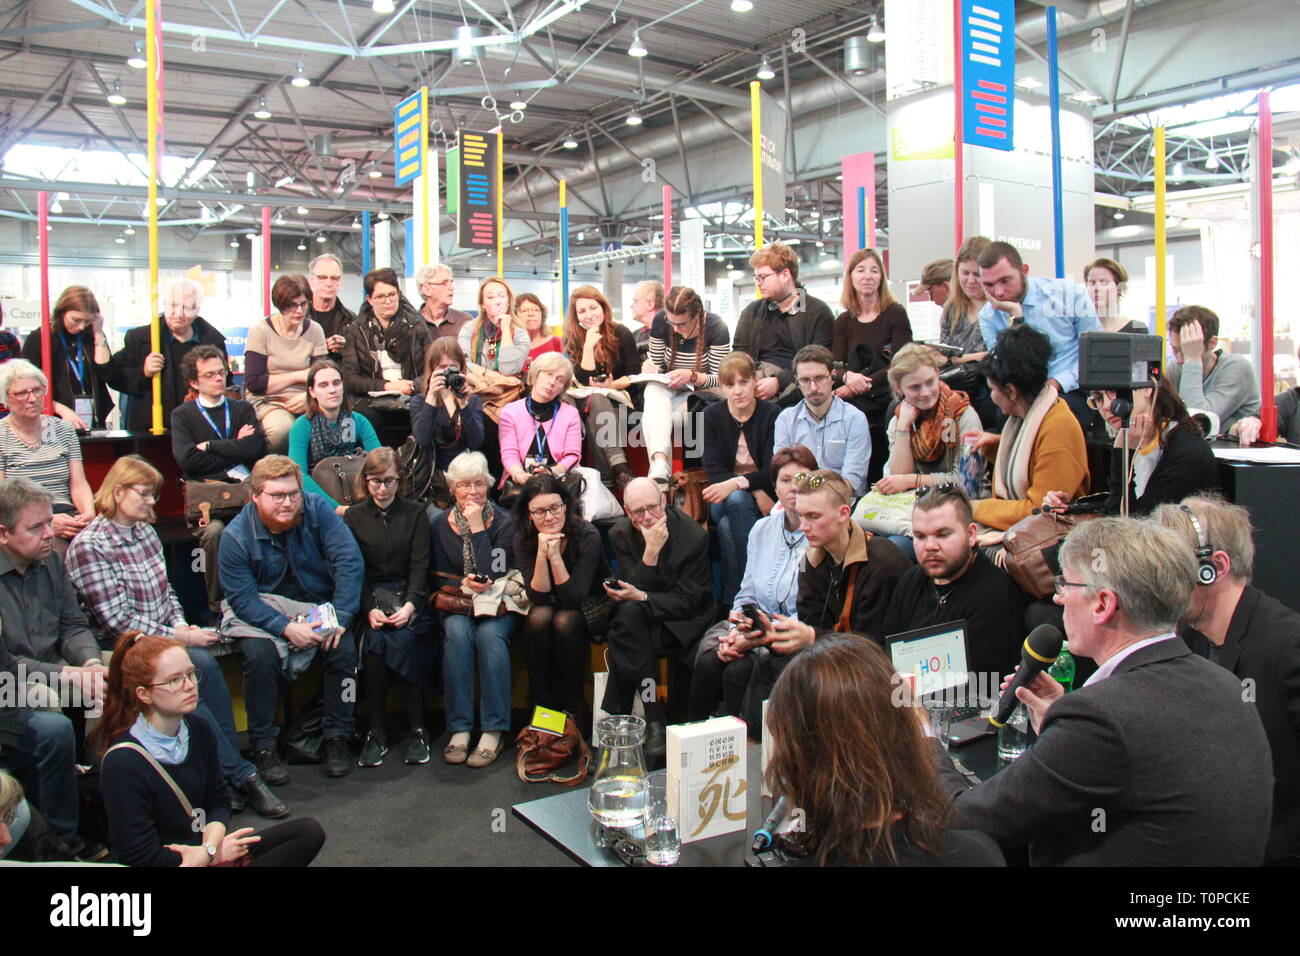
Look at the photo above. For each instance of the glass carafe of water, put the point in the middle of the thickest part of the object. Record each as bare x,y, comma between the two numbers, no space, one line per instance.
618,794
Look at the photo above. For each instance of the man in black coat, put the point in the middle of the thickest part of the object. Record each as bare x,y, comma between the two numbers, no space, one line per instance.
137,364
324,275
1252,635
663,603
1156,760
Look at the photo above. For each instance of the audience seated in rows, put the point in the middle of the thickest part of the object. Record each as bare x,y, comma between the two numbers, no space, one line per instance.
160,776
116,564
278,357
328,429
284,554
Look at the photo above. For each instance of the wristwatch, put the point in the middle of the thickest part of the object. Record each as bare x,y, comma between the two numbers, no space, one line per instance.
212,851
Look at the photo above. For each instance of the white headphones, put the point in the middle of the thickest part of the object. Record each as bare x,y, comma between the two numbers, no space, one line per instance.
1206,572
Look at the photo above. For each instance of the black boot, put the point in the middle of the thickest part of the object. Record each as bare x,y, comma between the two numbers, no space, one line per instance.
261,800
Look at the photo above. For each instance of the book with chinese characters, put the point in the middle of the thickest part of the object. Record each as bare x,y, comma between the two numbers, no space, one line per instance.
707,786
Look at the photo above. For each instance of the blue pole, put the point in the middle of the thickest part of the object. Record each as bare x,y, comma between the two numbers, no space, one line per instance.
365,241
862,217
564,257
1054,96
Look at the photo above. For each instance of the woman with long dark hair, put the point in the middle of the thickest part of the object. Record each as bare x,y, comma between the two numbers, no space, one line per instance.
860,766
152,748
329,427
563,564
603,354
959,326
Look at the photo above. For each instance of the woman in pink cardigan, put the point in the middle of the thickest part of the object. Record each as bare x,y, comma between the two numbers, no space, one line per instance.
540,432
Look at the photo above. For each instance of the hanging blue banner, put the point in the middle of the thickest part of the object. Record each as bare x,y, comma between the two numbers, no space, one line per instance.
408,135
988,67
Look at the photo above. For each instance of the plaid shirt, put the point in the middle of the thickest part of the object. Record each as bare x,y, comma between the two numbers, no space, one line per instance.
122,577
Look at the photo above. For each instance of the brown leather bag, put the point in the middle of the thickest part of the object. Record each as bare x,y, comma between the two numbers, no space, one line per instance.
337,476
541,757
1031,546
209,500
686,491
450,599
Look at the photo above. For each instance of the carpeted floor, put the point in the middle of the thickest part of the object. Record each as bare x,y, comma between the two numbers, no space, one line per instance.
430,815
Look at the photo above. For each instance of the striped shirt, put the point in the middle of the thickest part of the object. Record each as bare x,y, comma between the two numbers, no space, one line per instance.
716,339
49,463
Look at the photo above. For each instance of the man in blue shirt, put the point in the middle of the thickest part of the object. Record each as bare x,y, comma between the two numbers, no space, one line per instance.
834,431
295,551
1058,308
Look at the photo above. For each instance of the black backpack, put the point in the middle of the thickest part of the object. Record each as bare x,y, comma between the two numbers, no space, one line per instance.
417,472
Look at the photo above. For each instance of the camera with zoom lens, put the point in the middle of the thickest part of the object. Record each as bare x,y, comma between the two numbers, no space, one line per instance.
454,379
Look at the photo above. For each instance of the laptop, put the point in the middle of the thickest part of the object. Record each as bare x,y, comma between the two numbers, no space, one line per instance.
938,657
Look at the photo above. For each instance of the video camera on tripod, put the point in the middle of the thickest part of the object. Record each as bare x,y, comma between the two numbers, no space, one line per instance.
1119,362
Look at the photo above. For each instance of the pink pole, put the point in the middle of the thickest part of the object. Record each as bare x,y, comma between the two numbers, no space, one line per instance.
1268,407
266,260
668,238
958,178
43,243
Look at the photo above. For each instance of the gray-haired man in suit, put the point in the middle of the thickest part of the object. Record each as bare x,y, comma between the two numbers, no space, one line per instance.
1157,760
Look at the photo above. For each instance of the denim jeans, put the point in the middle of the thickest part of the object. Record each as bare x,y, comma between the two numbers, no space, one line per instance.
215,708
487,639
49,748
261,692
735,517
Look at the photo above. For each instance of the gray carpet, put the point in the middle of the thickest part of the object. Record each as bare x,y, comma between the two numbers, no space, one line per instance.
430,815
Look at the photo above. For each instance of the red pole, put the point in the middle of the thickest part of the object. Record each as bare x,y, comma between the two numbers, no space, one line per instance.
1268,407
668,238
43,243
958,177
266,260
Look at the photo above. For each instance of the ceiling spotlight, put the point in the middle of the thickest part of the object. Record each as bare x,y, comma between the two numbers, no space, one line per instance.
116,97
376,172
1085,96
1028,83
356,223
129,231
1179,171
120,240
742,6
519,103
875,32
320,238
720,259
302,246
300,78
262,112
383,214
1212,161
302,210
637,48
250,236
137,60
570,143
580,235
1118,214
465,53
382,6
234,243
56,207
765,71
1173,222
634,118
1292,165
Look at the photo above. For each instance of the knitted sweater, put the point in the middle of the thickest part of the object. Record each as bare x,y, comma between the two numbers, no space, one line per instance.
1058,462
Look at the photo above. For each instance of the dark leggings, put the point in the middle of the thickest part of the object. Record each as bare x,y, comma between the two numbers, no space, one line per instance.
377,694
716,680
295,843
556,641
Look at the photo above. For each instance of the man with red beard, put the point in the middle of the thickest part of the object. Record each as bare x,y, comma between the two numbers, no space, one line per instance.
284,553
953,581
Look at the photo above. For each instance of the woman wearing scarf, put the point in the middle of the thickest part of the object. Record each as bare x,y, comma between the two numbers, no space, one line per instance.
473,543
494,341
329,428
1041,447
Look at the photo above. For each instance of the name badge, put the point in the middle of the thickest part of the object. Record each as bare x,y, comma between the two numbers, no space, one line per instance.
85,408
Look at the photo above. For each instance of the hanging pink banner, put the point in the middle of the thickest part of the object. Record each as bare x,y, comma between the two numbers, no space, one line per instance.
857,171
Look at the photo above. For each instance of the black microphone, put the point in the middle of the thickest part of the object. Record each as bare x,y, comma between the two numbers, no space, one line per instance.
765,835
1039,652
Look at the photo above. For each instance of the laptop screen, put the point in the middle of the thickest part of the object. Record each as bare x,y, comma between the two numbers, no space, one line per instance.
935,655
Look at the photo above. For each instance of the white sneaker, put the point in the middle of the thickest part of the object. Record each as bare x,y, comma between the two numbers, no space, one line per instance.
661,470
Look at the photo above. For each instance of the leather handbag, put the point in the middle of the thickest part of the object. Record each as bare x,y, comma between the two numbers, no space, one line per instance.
1032,545
206,501
337,476
450,599
541,757
686,491
416,471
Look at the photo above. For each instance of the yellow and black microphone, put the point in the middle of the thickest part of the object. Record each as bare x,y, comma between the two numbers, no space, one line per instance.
1039,652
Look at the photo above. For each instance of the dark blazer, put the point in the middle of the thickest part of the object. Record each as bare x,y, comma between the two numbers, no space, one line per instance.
1263,645
812,325
99,377
680,586
1186,467
721,435
129,360
1160,764
190,428
406,340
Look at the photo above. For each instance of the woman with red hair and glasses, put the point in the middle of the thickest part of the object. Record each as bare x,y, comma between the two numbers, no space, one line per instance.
166,800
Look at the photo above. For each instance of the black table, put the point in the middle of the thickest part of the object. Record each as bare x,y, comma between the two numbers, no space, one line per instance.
565,820
1270,494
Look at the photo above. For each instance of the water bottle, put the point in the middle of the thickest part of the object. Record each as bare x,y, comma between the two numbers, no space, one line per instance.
1062,670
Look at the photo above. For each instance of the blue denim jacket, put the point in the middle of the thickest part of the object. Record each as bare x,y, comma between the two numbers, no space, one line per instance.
326,562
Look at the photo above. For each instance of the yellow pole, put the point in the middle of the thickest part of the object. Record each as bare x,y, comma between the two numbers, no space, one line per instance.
424,174
155,80
755,136
1160,236
501,205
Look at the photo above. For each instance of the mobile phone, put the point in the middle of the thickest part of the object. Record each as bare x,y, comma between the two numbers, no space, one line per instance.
614,583
755,622
480,578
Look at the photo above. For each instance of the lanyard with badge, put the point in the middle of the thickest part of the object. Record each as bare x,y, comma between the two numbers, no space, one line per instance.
220,433
82,400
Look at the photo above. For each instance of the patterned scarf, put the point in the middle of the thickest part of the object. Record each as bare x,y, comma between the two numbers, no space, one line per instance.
482,338
932,435
332,438
467,537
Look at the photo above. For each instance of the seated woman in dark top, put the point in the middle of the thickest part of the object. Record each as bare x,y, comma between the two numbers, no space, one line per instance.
738,435
150,746
393,534
859,766
563,564
603,354
444,421
1169,460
